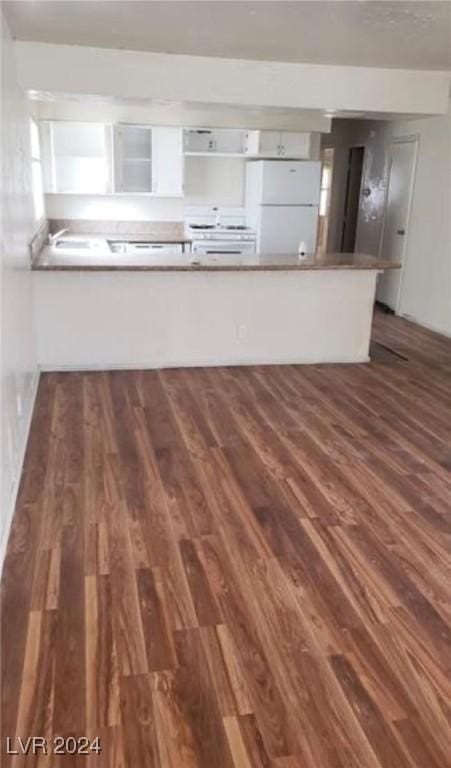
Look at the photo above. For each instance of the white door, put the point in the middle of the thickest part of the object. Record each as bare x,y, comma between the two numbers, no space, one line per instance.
396,220
291,183
282,228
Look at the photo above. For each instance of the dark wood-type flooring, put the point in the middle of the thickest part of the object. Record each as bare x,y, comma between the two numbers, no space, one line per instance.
237,567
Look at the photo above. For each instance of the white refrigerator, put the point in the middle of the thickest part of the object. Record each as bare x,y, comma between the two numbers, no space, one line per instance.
282,204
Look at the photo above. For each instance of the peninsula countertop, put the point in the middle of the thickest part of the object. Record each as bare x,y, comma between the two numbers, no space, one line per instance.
101,261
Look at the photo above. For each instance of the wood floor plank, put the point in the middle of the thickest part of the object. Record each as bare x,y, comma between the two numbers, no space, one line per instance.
159,648
377,730
102,674
138,722
36,705
198,704
243,567
207,610
70,672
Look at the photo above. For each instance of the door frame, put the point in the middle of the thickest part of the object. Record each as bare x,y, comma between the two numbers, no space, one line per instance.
346,200
412,138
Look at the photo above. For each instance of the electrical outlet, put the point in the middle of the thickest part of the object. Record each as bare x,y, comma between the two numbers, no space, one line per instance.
242,331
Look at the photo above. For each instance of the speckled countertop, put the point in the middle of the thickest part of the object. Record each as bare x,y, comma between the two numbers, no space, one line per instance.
169,238
132,231
101,261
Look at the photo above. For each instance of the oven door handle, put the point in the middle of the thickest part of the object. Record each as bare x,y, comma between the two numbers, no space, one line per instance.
221,252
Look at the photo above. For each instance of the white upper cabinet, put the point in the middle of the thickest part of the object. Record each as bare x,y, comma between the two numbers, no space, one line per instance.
76,157
295,145
260,143
278,144
101,159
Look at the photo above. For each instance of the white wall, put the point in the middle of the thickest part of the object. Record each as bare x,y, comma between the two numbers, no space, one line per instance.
140,75
114,207
18,370
426,287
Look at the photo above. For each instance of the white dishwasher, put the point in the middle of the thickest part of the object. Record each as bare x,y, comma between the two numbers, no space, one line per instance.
157,249
125,247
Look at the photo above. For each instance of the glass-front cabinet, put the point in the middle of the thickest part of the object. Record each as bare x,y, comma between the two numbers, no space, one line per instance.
133,159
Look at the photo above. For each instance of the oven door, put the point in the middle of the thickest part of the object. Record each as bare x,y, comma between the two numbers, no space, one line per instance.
223,247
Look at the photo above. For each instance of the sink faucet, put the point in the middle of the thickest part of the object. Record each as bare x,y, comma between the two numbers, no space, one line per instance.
51,238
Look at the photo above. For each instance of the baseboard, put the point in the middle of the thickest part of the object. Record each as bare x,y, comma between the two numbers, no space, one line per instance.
161,364
11,504
428,326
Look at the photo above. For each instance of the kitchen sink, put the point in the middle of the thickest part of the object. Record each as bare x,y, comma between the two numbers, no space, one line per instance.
73,245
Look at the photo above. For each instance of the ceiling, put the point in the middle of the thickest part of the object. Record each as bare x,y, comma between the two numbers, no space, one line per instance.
407,35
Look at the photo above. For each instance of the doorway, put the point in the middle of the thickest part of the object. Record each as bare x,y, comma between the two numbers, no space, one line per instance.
327,163
352,198
401,175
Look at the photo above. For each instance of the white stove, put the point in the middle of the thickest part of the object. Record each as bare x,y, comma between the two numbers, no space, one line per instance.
216,230
237,232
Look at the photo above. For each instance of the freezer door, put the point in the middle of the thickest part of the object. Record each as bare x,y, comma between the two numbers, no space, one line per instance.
286,182
283,227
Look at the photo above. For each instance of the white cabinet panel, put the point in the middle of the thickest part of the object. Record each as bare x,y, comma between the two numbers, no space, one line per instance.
167,166
295,144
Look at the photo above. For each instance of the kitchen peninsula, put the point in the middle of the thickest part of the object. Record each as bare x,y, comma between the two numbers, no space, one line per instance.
170,310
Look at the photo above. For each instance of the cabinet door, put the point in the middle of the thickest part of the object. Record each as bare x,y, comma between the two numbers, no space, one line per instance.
167,166
80,157
269,144
262,143
133,159
295,145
